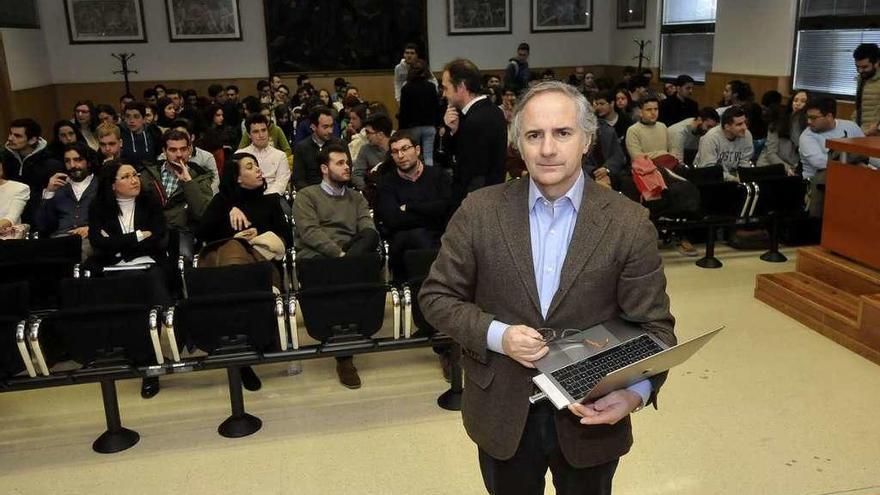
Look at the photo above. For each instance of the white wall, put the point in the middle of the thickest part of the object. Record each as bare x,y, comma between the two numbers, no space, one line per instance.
26,58
158,59
754,36
622,47
547,49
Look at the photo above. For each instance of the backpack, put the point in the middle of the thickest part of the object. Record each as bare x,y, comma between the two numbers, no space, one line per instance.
647,178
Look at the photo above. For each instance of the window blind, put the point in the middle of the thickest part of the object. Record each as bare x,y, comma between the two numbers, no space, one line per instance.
823,60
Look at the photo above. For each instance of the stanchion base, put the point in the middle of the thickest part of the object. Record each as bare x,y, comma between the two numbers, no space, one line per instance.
450,400
774,257
112,442
712,262
240,426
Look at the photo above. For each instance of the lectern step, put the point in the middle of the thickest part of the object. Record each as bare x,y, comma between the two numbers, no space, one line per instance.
838,271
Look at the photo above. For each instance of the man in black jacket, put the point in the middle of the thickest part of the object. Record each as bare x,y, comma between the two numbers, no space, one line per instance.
25,159
306,169
679,106
478,130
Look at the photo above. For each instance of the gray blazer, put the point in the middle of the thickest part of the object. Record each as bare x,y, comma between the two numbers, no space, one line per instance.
485,271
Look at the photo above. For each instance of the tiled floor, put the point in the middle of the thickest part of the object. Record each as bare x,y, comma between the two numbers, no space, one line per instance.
768,407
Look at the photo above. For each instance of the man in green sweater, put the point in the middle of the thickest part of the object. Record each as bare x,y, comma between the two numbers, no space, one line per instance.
332,221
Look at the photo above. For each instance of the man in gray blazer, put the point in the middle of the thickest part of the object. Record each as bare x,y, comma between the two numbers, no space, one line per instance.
551,250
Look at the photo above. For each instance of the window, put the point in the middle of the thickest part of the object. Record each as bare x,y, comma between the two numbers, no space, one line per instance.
687,35
828,32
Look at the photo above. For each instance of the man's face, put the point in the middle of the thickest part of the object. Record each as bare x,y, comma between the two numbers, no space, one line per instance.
276,82
551,142
149,116
134,120
106,118
669,89
508,98
324,128
727,93
18,141
865,68
686,90
175,98
409,55
259,134
454,95
819,122
579,73
76,165
124,102
66,135
602,107
152,100
232,95
737,128
405,155
265,92
338,170
281,95
522,55
110,146
706,125
650,112
192,101
373,136
83,114
353,92
177,150
493,82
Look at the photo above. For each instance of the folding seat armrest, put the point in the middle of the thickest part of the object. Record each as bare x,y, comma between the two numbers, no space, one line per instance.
757,188
195,261
407,311
291,318
395,305
34,340
279,317
168,326
20,330
154,334
77,270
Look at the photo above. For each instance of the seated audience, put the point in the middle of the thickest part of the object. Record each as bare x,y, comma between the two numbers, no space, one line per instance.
26,160
275,134
363,176
307,171
413,203
272,161
13,198
167,113
419,108
107,114
353,134
728,145
140,142
684,137
110,143
606,109
783,134
124,100
606,162
151,97
66,200
679,105
624,105
199,156
334,221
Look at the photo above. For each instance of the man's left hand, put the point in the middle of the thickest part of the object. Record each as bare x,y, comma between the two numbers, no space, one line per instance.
609,409
182,172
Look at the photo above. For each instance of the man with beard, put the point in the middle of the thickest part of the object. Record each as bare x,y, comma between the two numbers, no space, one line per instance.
413,203
684,137
333,221
867,113
66,199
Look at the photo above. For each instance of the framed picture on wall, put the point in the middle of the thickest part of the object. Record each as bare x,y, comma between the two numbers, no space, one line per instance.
561,15
105,21
478,16
203,20
19,14
631,14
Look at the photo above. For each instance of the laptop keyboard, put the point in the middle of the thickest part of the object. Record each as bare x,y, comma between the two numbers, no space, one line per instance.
579,378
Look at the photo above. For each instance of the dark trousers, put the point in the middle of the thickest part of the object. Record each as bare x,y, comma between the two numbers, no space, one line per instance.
523,474
364,242
407,240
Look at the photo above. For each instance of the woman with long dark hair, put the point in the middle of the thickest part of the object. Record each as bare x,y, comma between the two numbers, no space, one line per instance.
86,118
784,129
64,132
167,113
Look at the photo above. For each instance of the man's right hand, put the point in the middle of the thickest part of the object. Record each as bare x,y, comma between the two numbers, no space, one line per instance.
523,344
56,182
451,119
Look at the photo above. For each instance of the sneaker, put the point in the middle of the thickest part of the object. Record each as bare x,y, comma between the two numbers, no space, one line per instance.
249,379
686,248
348,375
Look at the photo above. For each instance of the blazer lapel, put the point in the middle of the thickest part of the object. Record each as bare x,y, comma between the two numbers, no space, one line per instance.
588,231
514,220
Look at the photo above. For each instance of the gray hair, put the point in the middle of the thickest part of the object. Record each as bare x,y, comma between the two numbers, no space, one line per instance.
586,118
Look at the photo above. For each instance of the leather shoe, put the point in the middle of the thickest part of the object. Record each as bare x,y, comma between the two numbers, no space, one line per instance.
348,374
249,379
149,387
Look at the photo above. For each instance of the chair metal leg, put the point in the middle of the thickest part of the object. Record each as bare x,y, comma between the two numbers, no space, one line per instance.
451,399
240,423
709,260
116,438
773,255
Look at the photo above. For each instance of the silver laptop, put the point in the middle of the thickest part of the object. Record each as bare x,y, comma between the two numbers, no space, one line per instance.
588,364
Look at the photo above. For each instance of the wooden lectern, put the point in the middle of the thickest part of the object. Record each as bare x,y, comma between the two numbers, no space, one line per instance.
836,288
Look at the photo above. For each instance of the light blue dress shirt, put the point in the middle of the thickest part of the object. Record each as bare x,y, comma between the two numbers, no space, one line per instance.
551,225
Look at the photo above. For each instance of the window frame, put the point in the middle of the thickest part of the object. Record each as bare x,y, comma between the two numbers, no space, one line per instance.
682,28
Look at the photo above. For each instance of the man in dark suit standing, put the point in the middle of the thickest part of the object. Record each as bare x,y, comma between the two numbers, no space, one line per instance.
544,252
478,130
